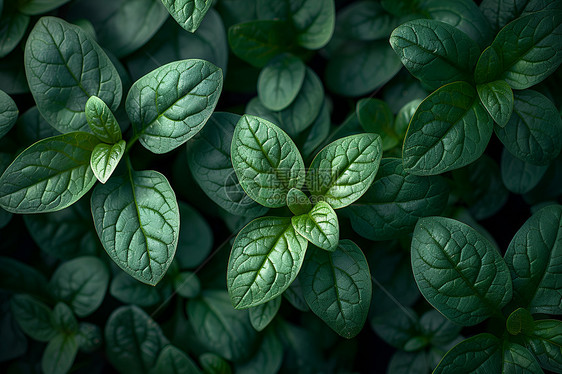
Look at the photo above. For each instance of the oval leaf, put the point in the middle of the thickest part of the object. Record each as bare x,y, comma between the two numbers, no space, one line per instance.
480,354
105,158
450,129
280,82
497,98
137,220
519,176
188,13
59,354
173,360
459,271
101,120
320,226
34,317
261,315
546,344
8,113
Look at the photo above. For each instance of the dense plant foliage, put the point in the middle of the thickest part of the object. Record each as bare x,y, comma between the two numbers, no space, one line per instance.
259,186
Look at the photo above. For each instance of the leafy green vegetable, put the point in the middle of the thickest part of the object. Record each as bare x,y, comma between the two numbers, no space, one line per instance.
101,120
319,226
105,158
188,13
280,82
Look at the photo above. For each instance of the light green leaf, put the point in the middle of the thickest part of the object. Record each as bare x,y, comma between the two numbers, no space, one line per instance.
64,67
187,284
298,202
280,81
262,315
337,287
534,132
8,113
220,328
81,283
34,317
497,98
266,161
546,344
519,176
375,116
435,52
49,175
130,291
395,201
188,13
343,171
265,259
59,354
136,217
480,354
173,360
13,26
18,277
528,50
459,271
268,358
105,158
101,120
36,7
450,129
133,340
319,226
533,258
169,105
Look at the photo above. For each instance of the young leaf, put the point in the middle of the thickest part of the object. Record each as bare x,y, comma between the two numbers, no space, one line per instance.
320,226
105,158
8,113
497,98
280,81
174,361
375,116
136,217
101,120
298,202
59,354
533,259
219,327
188,13
534,132
50,175
169,105
262,315
133,340
266,161
342,171
404,116
480,354
528,50
435,52
64,67
395,201
519,176
450,129
34,317
546,344
337,287
81,283
520,322
265,259
459,271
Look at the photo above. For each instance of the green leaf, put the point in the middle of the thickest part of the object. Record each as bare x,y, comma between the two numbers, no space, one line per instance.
408,363
34,317
81,283
265,259
395,201
337,287
501,12
136,216
375,116
520,322
174,361
188,13
169,105
105,158
214,364
404,116
438,329
257,42
262,315
101,120
8,113
10,333
320,226
546,344
133,340
18,277
64,67
365,20
130,291
280,81
497,98
32,127
533,258
343,171
534,131
13,26
49,175
64,320
298,202
518,359
187,284
220,328
36,7
528,50
266,161
450,129
480,354
268,358
435,52
397,327
88,337
210,163
196,238
519,176
59,354
459,271
317,133
295,296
